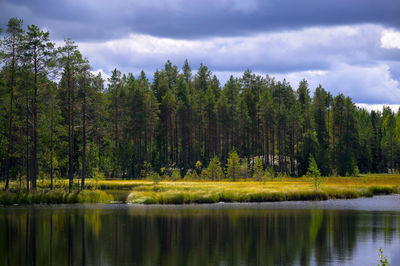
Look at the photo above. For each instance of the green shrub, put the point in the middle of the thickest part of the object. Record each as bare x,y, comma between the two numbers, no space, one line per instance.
375,190
214,169
233,166
90,196
314,172
188,175
176,175
258,171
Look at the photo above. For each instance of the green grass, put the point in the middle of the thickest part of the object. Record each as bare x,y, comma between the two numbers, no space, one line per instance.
187,197
54,197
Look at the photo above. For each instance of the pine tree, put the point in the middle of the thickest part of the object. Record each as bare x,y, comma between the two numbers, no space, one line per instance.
308,146
233,166
167,108
50,130
345,135
222,127
84,91
266,113
304,99
231,92
258,171
39,52
114,90
214,169
388,136
320,125
314,172
365,130
11,46
210,124
187,72
70,60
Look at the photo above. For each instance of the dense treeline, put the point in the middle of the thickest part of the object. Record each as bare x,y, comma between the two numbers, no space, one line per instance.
59,120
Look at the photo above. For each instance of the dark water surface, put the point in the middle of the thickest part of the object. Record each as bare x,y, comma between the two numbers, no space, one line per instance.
335,232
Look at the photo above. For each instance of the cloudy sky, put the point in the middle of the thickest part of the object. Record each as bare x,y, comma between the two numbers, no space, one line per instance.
351,47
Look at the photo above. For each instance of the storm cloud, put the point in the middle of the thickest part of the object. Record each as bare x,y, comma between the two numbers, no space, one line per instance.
180,19
350,47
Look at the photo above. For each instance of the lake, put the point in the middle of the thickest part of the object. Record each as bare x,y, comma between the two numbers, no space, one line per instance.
334,232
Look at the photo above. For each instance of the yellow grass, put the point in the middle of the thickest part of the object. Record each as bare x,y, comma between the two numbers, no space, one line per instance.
273,190
178,192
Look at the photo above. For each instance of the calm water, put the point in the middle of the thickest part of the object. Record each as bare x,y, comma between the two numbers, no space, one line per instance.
333,232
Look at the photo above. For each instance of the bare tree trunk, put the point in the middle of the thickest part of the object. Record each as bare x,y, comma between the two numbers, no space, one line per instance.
116,134
70,131
27,141
10,120
10,117
35,167
51,149
83,141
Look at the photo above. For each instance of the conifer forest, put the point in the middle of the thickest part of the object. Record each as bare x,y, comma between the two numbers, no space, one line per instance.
59,120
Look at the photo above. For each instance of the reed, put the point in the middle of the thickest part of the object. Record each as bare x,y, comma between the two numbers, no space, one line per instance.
54,197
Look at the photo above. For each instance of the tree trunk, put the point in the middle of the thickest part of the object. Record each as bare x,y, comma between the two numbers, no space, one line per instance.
27,140
70,131
10,123
35,167
83,141
51,149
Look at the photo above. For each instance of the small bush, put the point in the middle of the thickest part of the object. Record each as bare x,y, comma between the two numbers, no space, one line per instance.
155,177
258,171
375,190
204,174
176,175
214,169
382,261
233,168
188,175
90,196
314,172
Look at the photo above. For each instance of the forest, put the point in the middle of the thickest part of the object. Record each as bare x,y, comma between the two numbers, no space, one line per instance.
59,120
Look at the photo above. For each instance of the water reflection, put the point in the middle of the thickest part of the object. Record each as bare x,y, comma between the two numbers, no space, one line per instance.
120,235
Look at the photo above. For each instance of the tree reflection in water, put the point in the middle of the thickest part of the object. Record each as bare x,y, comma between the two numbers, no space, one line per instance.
94,235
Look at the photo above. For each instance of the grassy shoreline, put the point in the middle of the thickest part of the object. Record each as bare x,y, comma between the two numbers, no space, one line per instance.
54,197
175,197
186,192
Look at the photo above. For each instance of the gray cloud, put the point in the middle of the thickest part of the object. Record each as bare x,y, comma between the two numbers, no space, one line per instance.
335,43
269,52
103,19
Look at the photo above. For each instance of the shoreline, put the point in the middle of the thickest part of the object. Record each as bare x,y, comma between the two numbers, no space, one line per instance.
185,198
179,198
202,191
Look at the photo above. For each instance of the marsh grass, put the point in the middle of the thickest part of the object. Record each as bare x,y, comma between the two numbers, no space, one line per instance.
185,192
187,197
284,189
54,197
